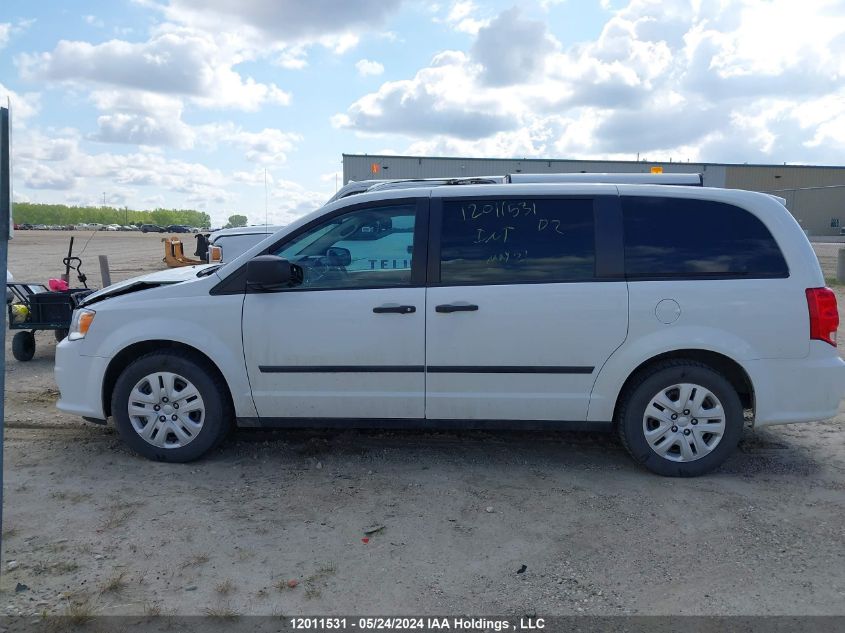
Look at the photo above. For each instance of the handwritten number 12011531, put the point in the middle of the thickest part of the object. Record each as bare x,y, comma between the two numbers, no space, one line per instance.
503,209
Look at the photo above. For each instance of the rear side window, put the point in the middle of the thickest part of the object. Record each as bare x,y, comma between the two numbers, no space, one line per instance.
516,240
676,237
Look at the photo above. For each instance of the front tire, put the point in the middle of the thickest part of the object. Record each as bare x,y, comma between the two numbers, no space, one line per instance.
680,418
171,406
23,346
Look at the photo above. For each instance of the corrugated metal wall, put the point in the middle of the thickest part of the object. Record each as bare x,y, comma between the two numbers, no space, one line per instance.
815,195
366,167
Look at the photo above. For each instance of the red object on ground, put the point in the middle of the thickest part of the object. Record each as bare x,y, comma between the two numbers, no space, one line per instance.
365,540
293,583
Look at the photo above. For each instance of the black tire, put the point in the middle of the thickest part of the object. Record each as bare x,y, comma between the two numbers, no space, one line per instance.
211,386
60,335
23,346
643,388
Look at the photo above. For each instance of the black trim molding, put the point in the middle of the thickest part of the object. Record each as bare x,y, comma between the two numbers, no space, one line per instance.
340,369
431,369
506,369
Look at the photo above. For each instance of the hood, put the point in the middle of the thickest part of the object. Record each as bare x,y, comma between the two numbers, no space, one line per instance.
143,282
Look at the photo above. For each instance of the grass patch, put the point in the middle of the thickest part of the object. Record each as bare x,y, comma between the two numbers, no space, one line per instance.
115,584
152,609
79,610
56,569
73,497
315,583
195,561
225,588
222,612
119,515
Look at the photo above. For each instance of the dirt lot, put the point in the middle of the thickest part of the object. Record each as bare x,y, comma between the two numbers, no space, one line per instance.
89,527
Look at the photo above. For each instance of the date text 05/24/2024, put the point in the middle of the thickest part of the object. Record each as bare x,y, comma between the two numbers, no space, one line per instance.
424,623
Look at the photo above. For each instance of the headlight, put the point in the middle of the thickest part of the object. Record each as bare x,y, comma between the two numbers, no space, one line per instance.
80,323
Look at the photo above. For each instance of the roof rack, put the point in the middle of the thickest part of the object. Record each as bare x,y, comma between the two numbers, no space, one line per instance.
688,179
355,187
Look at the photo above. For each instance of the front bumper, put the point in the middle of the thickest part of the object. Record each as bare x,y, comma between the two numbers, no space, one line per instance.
80,381
799,390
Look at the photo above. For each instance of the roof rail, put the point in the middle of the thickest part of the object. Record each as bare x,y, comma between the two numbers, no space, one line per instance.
689,179
361,186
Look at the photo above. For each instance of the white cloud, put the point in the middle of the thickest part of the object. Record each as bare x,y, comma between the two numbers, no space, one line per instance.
734,80
289,200
24,106
7,30
269,146
340,44
293,58
141,118
462,17
439,99
173,61
529,44
93,20
367,67
56,161
282,21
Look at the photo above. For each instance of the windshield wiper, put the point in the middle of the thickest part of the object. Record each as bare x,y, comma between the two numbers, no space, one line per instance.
205,272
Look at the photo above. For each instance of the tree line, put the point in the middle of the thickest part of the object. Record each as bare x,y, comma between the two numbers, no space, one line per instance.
62,214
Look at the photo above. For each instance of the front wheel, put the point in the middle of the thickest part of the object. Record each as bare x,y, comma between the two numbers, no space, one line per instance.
680,419
170,406
23,346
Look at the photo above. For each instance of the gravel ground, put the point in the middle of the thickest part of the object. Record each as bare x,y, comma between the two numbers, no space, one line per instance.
453,517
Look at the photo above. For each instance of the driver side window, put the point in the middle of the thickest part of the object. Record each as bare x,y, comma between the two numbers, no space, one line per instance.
365,248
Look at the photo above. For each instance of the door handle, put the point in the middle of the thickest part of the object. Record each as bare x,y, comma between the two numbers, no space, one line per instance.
456,307
392,308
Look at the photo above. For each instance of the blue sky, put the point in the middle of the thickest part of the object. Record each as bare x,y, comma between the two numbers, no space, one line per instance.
186,103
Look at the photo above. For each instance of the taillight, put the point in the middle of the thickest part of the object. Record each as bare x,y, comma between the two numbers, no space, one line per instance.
824,315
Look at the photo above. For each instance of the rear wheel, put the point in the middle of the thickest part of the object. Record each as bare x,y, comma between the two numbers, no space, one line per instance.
23,346
170,406
680,418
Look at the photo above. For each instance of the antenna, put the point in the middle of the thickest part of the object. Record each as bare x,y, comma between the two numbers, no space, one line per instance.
266,201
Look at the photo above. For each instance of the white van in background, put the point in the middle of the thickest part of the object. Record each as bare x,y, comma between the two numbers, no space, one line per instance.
231,243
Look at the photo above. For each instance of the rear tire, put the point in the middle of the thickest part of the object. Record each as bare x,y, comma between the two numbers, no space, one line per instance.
680,418
23,346
153,387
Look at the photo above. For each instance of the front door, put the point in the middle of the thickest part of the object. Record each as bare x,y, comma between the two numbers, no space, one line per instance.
349,341
518,322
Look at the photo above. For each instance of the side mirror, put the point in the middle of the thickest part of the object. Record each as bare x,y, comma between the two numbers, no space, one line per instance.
268,273
338,256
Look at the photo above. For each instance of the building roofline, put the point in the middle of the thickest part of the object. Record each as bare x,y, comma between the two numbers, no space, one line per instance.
597,161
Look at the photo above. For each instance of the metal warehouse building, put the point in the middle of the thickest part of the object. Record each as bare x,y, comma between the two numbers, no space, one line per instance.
815,195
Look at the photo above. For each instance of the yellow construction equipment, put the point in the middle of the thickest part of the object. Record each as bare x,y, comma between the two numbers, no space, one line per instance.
174,254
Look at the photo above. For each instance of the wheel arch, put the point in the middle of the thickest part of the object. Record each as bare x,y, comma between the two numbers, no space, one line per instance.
728,367
124,357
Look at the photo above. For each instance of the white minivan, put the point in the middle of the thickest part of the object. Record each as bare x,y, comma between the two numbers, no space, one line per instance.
671,314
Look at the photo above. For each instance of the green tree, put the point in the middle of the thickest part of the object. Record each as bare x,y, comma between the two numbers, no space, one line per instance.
29,213
236,221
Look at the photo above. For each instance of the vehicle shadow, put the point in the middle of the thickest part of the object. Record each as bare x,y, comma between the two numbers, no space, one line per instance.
762,451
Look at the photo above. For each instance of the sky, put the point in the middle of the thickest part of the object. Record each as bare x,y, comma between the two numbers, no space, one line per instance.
245,106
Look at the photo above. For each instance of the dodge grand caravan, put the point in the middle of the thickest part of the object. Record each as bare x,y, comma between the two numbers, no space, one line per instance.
670,314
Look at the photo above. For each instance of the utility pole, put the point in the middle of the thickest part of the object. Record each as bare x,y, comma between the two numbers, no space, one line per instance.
5,220
104,199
